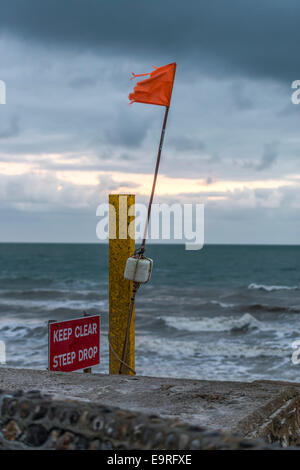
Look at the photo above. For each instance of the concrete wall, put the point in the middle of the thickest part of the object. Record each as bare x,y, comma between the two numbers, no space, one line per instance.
278,421
32,420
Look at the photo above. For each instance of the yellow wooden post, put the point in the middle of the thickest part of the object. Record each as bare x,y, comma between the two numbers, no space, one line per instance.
121,246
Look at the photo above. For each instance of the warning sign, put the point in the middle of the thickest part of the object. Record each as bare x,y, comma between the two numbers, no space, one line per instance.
74,344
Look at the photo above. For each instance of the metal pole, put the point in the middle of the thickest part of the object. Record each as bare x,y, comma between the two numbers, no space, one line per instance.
161,142
88,370
49,321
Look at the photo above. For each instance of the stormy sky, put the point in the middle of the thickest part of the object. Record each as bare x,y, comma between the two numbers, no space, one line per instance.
68,137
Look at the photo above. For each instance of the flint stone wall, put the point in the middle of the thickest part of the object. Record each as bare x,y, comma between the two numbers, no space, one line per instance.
35,421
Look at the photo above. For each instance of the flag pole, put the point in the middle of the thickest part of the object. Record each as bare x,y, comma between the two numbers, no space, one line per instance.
161,142
142,247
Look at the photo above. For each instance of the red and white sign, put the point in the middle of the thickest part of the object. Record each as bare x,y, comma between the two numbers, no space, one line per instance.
74,344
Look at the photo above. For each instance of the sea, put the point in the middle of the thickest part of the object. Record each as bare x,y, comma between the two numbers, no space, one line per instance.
225,312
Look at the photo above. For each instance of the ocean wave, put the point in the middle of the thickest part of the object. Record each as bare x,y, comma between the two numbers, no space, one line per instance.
231,324
37,307
16,330
271,288
178,349
222,304
267,308
46,282
49,294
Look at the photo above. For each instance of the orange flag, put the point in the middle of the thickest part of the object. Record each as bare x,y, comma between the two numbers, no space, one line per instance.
157,89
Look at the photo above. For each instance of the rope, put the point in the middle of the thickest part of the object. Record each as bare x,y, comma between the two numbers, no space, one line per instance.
135,288
118,358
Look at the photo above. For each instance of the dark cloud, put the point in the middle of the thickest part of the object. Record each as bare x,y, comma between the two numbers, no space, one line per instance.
35,192
127,157
67,66
82,82
209,180
187,144
126,130
254,37
10,130
240,97
269,157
